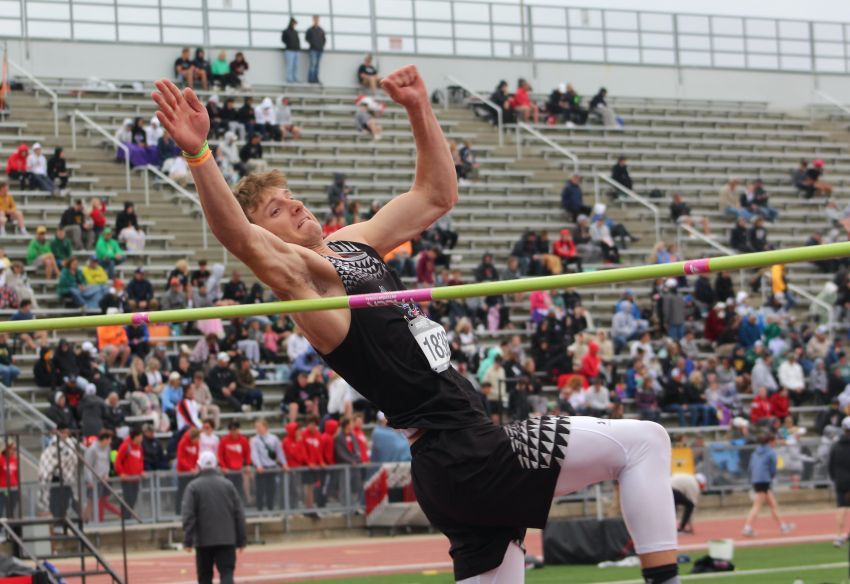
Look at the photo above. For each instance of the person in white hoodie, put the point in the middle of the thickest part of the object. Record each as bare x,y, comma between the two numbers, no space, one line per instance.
37,167
283,119
791,376
265,117
227,156
154,131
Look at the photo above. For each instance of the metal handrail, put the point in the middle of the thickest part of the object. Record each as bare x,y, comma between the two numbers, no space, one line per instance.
191,197
551,143
484,100
10,534
85,541
53,96
705,239
98,128
24,407
832,100
631,194
830,323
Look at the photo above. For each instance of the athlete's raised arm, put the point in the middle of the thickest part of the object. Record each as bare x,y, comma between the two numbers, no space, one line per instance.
186,119
434,190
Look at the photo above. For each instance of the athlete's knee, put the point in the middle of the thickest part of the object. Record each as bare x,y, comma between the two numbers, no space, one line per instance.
655,438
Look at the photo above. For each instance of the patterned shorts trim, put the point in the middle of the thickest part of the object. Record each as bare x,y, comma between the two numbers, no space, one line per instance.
540,442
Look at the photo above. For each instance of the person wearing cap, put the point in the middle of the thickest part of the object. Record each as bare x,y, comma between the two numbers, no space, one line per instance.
838,467
565,249
78,229
213,520
73,286
37,169
40,255
672,310
686,492
94,273
9,210
222,382
16,166
175,298
140,293
108,252
814,182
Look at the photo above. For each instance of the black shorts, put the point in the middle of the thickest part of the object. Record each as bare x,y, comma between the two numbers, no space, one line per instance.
842,495
483,486
761,487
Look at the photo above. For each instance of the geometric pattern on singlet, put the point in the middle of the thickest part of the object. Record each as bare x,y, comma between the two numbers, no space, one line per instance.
540,442
356,266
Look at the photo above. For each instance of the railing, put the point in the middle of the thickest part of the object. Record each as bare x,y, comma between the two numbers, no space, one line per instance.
705,239
99,129
814,300
54,98
484,100
828,98
520,126
9,531
632,195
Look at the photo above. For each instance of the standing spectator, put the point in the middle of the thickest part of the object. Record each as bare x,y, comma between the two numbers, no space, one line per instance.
39,254
37,169
76,226
9,494
316,40
267,457
108,252
292,44
572,198
9,210
347,451
154,455
762,472
57,473
367,74
213,522
838,467
57,170
98,215
238,66
620,172
16,166
388,445
284,121
234,457
523,104
130,468
188,449
92,412
98,459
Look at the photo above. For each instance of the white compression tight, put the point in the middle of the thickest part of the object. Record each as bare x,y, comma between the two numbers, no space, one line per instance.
632,452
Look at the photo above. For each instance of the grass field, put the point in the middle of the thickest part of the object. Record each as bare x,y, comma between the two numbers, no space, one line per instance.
818,563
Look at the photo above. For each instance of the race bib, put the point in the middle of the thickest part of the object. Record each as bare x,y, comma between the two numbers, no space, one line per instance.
431,338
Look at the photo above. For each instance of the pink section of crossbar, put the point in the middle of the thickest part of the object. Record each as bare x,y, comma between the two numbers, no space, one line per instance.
141,318
383,298
697,267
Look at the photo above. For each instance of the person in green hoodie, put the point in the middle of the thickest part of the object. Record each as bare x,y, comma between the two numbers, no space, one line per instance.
108,252
72,286
61,246
39,254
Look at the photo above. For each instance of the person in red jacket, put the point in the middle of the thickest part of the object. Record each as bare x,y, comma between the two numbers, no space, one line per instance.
311,449
761,407
234,458
130,467
362,442
565,248
523,104
291,448
326,445
16,165
9,495
715,322
779,404
188,450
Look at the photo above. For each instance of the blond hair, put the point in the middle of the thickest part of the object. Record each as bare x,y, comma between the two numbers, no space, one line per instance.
250,190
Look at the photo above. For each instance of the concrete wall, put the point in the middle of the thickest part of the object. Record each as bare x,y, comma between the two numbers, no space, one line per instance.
146,62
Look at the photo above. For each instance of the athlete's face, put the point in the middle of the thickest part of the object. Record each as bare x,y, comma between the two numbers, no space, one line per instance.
288,218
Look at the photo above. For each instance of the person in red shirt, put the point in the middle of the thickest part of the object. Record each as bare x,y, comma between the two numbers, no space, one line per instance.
98,215
715,322
188,450
565,248
362,442
234,458
291,448
327,441
16,165
310,441
9,495
761,406
779,405
130,467
523,104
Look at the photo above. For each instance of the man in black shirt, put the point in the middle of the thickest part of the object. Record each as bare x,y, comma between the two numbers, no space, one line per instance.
235,289
8,372
739,236
292,43
126,218
185,71
620,173
140,293
680,212
316,39
200,276
251,154
757,235
222,383
230,118
78,230
246,116
367,74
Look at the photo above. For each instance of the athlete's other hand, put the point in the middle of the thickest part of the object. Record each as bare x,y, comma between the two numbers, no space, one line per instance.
406,87
182,115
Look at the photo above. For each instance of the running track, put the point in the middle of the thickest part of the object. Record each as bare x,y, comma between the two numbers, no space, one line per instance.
388,555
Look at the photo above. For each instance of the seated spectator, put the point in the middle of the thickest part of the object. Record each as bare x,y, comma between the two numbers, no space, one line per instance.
730,201
557,106
455,154
246,383
215,112
9,210
251,155
234,290
57,170
814,180
201,275
37,170
757,235
338,190
108,252
202,67
600,234
175,298
599,107
73,287
220,73
204,398
367,74
222,383
780,405
16,166
366,123
227,157
265,120
140,152
620,173
304,394
185,71
40,255
798,180
739,236
133,239
284,121
8,371
523,104
238,66
154,132
230,116
468,160
94,274
140,295
792,378
502,99
247,115
577,115
572,198
172,395
680,212
401,260
77,227
59,413
167,150
178,171
565,249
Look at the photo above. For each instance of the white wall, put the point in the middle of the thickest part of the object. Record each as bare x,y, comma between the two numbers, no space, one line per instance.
146,62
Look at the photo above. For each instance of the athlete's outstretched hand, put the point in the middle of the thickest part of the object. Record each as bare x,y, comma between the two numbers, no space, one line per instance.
182,115
405,87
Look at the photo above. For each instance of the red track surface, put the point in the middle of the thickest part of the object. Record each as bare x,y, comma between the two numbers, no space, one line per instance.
371,556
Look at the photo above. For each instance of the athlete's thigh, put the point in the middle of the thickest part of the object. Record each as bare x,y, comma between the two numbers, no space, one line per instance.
510,571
